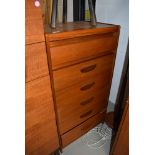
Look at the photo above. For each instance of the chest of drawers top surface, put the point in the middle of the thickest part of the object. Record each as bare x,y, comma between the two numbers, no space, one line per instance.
77,29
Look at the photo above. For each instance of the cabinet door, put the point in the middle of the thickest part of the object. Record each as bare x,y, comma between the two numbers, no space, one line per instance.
41,130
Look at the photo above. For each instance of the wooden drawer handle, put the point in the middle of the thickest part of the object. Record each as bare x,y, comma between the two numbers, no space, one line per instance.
86,114
88,86
87,101
88,69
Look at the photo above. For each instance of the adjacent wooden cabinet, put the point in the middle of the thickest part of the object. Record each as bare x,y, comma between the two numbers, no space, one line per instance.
36,61
40,125
81,60
41,130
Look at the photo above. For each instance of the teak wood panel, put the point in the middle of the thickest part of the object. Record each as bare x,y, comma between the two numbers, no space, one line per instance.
71,95
36,61
80,102
68,101
63,53
82,129
75,74
33,23
31,11
34,31
41,130
79,116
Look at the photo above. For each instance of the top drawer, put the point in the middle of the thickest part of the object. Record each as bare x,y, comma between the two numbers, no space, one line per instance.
71,51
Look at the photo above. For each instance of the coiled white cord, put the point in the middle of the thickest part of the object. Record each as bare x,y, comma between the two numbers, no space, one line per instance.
98,136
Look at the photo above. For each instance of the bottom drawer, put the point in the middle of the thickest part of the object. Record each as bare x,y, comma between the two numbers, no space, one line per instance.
80,130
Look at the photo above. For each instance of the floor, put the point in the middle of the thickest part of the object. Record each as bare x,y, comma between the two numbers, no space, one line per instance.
79,148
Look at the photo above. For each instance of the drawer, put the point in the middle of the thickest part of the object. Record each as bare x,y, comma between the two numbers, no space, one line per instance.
64,53
78,116
71,101
72,75
74,102
80,130
41,130
36,61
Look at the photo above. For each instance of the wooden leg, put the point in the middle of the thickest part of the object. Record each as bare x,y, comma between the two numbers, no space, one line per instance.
64,11
54,13
92,13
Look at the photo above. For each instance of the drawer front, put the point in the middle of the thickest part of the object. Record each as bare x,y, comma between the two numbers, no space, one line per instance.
80,130
70,52
72,75
36,61
74,102
41,131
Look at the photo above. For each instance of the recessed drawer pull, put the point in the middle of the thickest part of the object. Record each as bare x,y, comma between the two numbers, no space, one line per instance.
88,69
86,114
88,86
87,101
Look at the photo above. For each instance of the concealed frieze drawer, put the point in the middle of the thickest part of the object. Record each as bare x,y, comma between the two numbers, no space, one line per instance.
71,51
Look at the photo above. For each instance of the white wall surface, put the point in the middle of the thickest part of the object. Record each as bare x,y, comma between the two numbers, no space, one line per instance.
115,12
69,10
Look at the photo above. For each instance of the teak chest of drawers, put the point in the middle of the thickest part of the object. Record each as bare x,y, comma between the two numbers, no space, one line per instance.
81,61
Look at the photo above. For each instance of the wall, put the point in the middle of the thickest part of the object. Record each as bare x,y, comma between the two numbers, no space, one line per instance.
69,10
115,12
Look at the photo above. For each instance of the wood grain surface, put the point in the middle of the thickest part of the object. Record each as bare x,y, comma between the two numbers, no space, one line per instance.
79,49
36,61
81,61
41,131
83,72
34,29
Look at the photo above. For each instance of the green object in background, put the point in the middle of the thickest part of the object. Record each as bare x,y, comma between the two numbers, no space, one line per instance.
87,15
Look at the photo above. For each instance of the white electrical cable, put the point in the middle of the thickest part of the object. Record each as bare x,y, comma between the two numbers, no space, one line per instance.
98,136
